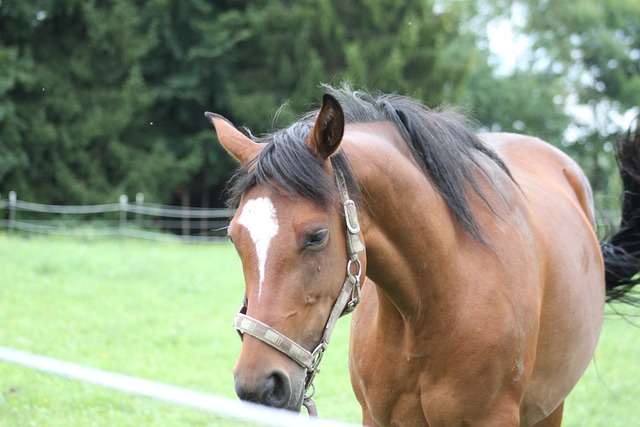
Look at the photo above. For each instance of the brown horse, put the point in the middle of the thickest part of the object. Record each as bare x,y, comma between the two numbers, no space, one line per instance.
485,285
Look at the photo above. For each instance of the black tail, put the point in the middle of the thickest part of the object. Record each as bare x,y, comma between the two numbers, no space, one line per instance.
621,250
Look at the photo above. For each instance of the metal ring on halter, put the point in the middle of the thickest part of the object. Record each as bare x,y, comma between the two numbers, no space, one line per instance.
312,387
317,355
355,289
308,403
358,263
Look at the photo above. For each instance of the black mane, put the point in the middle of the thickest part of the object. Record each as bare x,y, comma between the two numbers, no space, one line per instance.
441,142
287,167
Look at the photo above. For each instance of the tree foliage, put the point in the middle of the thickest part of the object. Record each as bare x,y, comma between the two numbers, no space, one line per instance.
522,102
187,70
75,99
413,48
99,98
593,46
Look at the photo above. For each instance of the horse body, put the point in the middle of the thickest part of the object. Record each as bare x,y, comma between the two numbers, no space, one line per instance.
486,282
516,315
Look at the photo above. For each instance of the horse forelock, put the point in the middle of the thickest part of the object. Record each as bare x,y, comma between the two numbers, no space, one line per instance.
288,167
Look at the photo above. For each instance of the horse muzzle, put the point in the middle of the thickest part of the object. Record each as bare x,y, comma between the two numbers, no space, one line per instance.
275,389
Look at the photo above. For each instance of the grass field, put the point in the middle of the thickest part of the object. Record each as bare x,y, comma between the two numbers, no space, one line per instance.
163,311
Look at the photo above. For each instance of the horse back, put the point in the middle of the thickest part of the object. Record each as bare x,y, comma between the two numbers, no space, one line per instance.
532,158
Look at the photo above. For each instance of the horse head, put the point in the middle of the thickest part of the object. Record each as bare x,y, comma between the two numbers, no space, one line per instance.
295,250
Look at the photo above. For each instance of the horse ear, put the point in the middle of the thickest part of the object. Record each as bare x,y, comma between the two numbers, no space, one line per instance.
328,129
238,145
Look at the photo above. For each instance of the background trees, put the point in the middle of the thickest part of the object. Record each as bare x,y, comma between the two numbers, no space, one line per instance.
416,49
186,69
99,98
73,97
593,49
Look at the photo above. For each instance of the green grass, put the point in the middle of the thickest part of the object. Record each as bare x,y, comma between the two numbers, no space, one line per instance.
163,311
160,311
608,393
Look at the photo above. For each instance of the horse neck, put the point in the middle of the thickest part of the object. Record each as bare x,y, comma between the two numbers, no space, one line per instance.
409,231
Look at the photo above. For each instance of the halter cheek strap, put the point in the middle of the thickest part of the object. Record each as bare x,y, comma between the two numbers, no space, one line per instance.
346,302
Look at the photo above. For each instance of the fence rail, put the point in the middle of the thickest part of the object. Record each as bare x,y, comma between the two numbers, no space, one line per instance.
146,220
139,219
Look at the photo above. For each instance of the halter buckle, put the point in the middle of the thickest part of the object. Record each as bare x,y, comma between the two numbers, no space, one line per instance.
242,310
351,216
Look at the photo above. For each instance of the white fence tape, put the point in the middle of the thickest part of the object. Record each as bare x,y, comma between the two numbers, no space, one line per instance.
232,408
140,219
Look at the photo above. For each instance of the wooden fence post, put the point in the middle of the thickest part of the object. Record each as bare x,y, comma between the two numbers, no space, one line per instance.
123,210
13,199
186,202
139,203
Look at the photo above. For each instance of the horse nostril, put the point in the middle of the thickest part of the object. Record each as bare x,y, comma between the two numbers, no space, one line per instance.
275,390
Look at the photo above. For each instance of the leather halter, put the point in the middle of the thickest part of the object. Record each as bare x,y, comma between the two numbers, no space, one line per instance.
346,302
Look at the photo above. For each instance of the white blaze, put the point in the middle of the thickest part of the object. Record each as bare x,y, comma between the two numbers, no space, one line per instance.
259,218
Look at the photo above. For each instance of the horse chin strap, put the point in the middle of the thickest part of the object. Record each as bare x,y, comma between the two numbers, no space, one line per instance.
347,300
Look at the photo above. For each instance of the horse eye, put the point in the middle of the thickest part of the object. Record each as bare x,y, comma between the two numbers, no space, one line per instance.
316,238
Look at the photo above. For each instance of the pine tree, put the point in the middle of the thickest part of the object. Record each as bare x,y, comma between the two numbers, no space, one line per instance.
78,118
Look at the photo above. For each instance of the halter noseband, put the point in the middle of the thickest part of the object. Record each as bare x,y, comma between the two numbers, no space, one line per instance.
347,300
